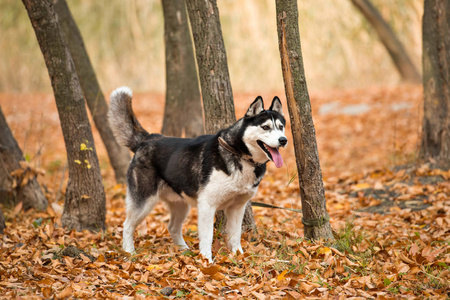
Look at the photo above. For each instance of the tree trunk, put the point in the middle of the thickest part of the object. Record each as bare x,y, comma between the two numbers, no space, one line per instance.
2,222
119,156
183,112
436,82
11,190
315,216
84,206
218,104
398,54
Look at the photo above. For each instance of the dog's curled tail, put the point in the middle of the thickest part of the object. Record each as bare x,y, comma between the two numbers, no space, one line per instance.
124,124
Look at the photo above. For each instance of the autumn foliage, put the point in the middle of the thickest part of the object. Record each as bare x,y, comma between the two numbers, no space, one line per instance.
389,213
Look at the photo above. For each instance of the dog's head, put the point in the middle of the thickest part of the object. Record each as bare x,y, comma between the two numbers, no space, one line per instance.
264,131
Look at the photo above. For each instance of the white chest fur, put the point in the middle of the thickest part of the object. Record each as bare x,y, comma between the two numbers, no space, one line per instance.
223,190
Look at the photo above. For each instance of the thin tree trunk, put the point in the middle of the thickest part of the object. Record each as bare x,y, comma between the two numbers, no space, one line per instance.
30,194
315,216
398,54
119,156
183,112
436,82
84,206
2,222
218,104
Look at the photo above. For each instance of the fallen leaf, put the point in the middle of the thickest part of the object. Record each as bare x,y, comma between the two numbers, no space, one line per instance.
307,288
18,208
281,275
65,293
258,296
211,270
293,295
153,267
324,251
413,250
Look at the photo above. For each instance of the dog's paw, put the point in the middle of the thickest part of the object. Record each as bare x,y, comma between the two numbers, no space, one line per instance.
128,248
207,255
236,249
183,247
131,251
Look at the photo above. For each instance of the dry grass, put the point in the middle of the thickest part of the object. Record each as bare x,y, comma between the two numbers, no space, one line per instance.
125,42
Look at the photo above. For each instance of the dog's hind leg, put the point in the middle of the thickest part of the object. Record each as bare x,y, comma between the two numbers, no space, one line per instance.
178,213
234,215
135,215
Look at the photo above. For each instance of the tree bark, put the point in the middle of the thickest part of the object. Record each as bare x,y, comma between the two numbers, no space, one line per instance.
84,206
2,222
119,156
183,114
398,54
30,194
436,82
315,216
218,104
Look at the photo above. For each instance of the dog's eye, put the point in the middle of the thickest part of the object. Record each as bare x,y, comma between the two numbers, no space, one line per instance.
265,127
281,127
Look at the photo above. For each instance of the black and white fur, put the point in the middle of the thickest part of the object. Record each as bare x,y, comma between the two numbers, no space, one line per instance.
201,171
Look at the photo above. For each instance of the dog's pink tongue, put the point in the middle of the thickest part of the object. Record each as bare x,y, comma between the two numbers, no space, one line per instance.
277,159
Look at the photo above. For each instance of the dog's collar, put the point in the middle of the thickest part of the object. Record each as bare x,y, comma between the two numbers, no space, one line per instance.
230,149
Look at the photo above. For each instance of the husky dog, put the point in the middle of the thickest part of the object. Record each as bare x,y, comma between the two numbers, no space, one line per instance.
213,172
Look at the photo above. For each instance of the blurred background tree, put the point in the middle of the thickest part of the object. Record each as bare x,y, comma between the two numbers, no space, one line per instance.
436,83
183,112
125,42
399,55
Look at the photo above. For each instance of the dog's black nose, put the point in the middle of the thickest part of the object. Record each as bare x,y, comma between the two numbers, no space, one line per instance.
283,141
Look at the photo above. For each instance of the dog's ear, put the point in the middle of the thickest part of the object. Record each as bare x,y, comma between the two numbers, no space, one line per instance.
276,106
256,107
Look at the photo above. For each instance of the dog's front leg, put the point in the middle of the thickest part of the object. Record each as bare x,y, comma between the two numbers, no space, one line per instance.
234,215
206,228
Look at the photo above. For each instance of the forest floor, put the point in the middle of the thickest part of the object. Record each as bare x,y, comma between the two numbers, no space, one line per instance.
389,213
